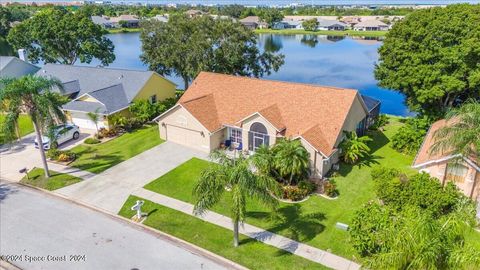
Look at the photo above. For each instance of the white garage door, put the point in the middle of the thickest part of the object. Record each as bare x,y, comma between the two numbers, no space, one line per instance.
184,136
83,121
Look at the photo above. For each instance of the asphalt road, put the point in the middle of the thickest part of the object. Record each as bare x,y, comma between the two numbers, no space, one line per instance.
41,231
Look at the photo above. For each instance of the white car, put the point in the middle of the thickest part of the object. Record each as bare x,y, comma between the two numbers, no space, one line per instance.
62,133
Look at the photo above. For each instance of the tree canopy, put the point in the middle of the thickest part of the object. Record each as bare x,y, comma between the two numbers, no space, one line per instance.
56,35
433,57
271,16
185,47
310,25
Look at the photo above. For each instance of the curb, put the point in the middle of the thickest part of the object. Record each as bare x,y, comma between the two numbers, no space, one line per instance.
196,250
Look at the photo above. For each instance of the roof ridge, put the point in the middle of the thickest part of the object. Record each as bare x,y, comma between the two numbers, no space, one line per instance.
102,67
279,81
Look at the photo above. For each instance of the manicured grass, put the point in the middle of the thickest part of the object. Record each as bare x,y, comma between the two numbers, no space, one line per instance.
57,180
124,30
313,221
25,126
98,158
250,253
322,32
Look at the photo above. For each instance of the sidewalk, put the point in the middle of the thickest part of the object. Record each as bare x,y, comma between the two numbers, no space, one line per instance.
70,170
314,254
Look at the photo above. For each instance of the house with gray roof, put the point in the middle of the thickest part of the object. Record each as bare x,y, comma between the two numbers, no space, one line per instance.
13,67
105,91
331,25
103,21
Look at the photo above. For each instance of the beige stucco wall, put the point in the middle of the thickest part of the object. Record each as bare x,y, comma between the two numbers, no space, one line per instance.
217,138
193,133
356,114
157,85
316,166
247,123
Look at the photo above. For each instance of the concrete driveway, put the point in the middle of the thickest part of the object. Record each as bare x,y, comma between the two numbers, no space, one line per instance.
38,225
109,189
25,155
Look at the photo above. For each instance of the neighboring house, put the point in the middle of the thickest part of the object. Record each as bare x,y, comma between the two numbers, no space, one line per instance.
463,171
103,21
373,106
160,18
371,25
286,24
330,25
130,21
253,22
12,67
351,21
217,109
192,13
111,91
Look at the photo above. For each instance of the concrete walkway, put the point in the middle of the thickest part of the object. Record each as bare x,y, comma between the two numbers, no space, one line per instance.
70,170
111,188
310,253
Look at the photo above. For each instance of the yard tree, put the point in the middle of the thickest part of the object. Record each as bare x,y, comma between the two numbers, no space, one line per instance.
33,95
354,147
310,25
233,176
291,159
271,16
5,20
56,35
184,47
95,117
432,58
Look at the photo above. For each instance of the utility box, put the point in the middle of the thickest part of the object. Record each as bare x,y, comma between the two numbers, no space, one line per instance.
342,226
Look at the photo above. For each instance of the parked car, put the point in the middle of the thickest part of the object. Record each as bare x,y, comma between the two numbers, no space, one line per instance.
62,133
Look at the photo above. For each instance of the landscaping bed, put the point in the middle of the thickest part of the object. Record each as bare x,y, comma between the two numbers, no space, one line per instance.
36,177
312,221
97,158
250,253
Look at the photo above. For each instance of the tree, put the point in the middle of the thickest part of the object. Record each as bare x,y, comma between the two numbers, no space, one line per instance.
271,16
185,47
462,134
310,25
56,35
409,137
5,20
291,159
432,58
235,176
354,147
234,11
94,117
32,94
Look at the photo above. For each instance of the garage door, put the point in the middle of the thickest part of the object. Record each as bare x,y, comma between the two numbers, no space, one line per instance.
83,121
187,137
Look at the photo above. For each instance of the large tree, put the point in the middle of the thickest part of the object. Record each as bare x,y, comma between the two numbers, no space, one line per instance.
184,47
236,177
56,35
433,57
5,20
32,95
271,16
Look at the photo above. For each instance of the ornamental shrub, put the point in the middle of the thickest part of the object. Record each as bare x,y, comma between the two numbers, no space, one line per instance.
307,186
91,141
409,137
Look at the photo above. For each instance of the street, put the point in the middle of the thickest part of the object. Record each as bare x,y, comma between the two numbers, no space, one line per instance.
41,231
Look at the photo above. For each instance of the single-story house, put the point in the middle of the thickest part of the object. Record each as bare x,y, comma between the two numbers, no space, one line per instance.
253,22
370,25
129,21
160,18
287,24
13,67
106,91
192,13
463,171
103,21
247,112
330,25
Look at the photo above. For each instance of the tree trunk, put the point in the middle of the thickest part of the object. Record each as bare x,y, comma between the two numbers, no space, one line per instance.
235,233
40,148
17,131
185,82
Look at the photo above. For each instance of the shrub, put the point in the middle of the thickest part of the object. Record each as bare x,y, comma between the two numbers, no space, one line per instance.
59,155
409,137
380,122
91,141
307,186
354,147
108,133
330,188
293,193
53,153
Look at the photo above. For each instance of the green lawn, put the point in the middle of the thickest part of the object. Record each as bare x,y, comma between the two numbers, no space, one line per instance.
57,180
98,158
313,221
250,253
322,32
124,30
24,123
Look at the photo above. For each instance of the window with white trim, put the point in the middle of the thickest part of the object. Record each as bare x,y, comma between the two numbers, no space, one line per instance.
236,135
153,99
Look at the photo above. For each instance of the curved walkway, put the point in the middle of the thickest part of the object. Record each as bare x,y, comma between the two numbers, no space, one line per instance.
308,252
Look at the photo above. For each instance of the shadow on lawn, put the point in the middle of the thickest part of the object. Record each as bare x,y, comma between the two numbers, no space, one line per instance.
292,222
98,163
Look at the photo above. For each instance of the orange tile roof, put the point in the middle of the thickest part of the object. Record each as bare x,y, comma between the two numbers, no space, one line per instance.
317,113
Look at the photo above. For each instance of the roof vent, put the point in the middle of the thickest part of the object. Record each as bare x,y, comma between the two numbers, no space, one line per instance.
120,77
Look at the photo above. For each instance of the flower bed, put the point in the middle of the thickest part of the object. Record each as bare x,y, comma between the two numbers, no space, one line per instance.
63,157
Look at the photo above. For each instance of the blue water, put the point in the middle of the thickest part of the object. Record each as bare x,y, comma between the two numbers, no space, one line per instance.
332,61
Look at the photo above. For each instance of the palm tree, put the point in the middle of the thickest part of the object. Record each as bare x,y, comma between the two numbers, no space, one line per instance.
462,134
32,95
236,176
354,147
94,117
291,159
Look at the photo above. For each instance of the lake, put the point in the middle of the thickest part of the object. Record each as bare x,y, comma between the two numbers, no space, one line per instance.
323,60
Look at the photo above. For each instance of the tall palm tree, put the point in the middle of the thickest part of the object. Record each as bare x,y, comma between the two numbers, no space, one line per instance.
354,147
462,134
32,95
291,159
236,176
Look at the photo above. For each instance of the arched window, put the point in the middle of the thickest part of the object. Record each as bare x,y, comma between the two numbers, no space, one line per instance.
257,136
